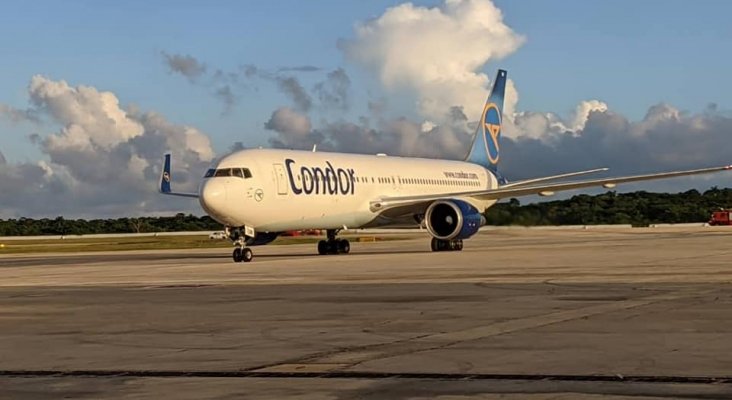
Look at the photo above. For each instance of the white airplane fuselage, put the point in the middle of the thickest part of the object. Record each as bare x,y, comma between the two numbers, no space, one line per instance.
294,190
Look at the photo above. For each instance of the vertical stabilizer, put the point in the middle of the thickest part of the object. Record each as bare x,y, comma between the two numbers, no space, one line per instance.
486,144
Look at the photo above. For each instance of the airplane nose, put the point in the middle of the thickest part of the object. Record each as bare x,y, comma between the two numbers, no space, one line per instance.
213,197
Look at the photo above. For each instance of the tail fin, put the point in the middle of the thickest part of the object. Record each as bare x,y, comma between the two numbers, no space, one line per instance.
486,144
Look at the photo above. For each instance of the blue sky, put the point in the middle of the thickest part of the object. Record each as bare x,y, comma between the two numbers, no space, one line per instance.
625,56
629,54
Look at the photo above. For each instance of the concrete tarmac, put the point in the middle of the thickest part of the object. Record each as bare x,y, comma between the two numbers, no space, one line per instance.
518,314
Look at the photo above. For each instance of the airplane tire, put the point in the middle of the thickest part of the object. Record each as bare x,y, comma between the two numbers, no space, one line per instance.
246,254
322,247
237,255
446,245
435,244
344,246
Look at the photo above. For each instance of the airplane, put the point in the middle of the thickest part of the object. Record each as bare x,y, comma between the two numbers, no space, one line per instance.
259,193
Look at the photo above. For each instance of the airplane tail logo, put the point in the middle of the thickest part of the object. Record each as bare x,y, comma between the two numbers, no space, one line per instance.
165,176
486,144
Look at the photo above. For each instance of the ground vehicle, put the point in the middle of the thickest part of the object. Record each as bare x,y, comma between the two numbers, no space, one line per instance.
721,217
218,235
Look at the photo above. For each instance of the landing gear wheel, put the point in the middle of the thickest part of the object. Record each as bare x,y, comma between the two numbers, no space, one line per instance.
332,246
322,247
435,244
446,245
246,254
344,246
237,255
242,254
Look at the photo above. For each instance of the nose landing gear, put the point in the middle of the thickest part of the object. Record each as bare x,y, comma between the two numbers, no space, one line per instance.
333,245
446,245
241,253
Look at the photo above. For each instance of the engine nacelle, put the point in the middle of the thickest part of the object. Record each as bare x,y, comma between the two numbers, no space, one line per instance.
453,219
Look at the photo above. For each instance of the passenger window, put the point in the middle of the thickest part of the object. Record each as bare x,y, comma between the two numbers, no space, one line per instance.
247,173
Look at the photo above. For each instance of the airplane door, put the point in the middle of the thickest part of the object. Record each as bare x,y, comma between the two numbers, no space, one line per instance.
281,178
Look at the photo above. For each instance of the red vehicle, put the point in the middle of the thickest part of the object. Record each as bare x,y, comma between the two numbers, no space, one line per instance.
721,217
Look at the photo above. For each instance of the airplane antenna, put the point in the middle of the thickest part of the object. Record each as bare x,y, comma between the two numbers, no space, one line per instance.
315,147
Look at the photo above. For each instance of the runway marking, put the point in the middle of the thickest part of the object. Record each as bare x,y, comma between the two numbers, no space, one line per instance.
353,356
365,375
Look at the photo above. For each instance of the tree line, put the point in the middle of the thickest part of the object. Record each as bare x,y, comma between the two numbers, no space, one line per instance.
61,226
636,208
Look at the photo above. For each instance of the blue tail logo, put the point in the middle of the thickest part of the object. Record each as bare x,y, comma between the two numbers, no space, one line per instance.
165,176
485,150
491,126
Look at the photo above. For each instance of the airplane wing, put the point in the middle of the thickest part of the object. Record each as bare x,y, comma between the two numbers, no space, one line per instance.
553,177
165,181
502,192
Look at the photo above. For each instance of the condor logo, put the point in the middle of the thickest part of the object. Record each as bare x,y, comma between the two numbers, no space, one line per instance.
491,131
317,180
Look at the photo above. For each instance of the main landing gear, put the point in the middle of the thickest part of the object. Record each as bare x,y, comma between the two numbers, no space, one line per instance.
333,245
446,245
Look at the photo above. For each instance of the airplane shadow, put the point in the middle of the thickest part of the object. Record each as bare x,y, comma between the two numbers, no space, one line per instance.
311,255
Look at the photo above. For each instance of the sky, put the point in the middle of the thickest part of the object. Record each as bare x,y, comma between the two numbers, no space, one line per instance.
92,93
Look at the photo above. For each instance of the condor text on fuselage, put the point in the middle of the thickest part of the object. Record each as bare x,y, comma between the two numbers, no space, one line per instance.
320,180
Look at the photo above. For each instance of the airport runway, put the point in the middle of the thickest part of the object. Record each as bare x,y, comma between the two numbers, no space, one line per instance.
519,314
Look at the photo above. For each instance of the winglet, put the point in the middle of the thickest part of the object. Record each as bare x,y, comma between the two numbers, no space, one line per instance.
165,175
166,179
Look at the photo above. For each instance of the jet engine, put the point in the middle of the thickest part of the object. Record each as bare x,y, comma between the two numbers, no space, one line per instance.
453,219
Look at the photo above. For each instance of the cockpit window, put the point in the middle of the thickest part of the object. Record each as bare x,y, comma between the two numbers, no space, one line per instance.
223,172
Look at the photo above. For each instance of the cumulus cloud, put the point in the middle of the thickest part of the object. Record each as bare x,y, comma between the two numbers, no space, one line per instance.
293,130
435,52
665,139
90,117
399,136
104,160
186,65
288,121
